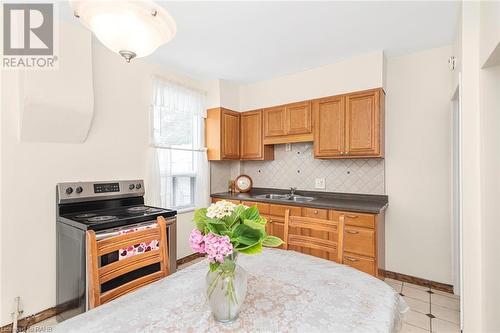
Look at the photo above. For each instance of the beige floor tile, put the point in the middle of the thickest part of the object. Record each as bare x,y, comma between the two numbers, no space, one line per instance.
415,293
395,284
416,286
446,314
445,301
442,326
439,292
418,305
407,328
417,319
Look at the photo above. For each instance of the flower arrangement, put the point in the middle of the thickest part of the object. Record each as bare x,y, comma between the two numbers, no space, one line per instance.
225,228
222,231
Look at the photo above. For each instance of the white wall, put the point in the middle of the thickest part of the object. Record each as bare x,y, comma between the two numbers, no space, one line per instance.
467,48
418,165
116,148
357,73
490,165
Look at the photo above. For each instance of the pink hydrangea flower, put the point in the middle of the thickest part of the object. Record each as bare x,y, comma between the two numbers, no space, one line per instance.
197,241
217,247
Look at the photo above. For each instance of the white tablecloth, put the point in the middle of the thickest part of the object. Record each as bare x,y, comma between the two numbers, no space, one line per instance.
287,292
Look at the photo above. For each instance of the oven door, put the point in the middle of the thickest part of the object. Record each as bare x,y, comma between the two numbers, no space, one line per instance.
114,256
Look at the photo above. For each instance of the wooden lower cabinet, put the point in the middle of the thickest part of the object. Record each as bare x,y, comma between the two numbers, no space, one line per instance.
364,264
362,234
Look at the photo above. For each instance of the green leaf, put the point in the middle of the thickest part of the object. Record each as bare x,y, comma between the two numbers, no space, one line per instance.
247,235
255,225
235,216
213,266
251,213
256,248
218,229
272,241
214,221
200,217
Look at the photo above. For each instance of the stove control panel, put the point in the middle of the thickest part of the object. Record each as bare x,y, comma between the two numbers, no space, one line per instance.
105,188
88,191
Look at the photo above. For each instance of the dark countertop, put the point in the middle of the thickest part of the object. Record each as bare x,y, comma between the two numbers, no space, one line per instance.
363,203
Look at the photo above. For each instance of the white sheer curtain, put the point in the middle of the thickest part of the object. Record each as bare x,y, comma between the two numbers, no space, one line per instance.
179,176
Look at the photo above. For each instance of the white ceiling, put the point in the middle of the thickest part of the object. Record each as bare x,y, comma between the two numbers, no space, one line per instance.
249,41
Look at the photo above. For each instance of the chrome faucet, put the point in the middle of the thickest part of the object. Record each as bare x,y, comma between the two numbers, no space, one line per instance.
292,191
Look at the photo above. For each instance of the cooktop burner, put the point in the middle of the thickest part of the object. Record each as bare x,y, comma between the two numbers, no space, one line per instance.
85,215
138,209
101,218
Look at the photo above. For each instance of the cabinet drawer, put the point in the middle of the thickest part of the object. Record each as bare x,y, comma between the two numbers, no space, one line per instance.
315,213
262,207
354,219
359,240
363,264
279,210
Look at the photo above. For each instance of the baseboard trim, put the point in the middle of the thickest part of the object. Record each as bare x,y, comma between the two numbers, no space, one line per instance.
24,323
447,288
189,258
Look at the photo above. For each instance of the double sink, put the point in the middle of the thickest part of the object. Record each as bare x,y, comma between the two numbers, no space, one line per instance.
285,197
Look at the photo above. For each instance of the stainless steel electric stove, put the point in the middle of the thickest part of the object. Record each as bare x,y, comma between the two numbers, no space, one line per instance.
107,207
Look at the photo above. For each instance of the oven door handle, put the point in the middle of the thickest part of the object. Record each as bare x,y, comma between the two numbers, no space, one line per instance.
108,234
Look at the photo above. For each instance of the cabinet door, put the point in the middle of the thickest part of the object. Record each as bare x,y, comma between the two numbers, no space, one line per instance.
230,134
251,135
363,124
275,121
298,118
329,127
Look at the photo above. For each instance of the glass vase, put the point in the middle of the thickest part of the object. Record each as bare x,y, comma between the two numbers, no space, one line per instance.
227,289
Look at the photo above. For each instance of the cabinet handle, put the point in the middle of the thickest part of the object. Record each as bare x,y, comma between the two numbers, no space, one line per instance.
350,259
270,220
352,216
351,231
315,212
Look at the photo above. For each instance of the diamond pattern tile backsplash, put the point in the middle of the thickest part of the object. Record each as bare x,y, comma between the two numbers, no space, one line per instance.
298,168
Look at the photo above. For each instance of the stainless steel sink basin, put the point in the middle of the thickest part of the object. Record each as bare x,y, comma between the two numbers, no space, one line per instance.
299,198
285,197
273,196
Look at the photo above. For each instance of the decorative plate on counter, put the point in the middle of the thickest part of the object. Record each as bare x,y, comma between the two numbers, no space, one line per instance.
243,183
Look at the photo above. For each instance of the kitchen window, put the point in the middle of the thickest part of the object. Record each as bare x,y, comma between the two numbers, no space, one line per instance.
181,165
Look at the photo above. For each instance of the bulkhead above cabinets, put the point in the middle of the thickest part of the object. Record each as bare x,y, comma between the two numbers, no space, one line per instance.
343,126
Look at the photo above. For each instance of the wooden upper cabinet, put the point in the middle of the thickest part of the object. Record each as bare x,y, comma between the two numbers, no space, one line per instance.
231,134
275,121
222,134
329,127
298,118
251,137
363,124
288,123
349,126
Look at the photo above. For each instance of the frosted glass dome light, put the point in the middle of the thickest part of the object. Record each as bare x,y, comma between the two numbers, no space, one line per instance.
129,28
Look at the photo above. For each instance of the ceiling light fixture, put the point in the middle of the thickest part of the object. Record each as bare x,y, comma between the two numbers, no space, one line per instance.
132,29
